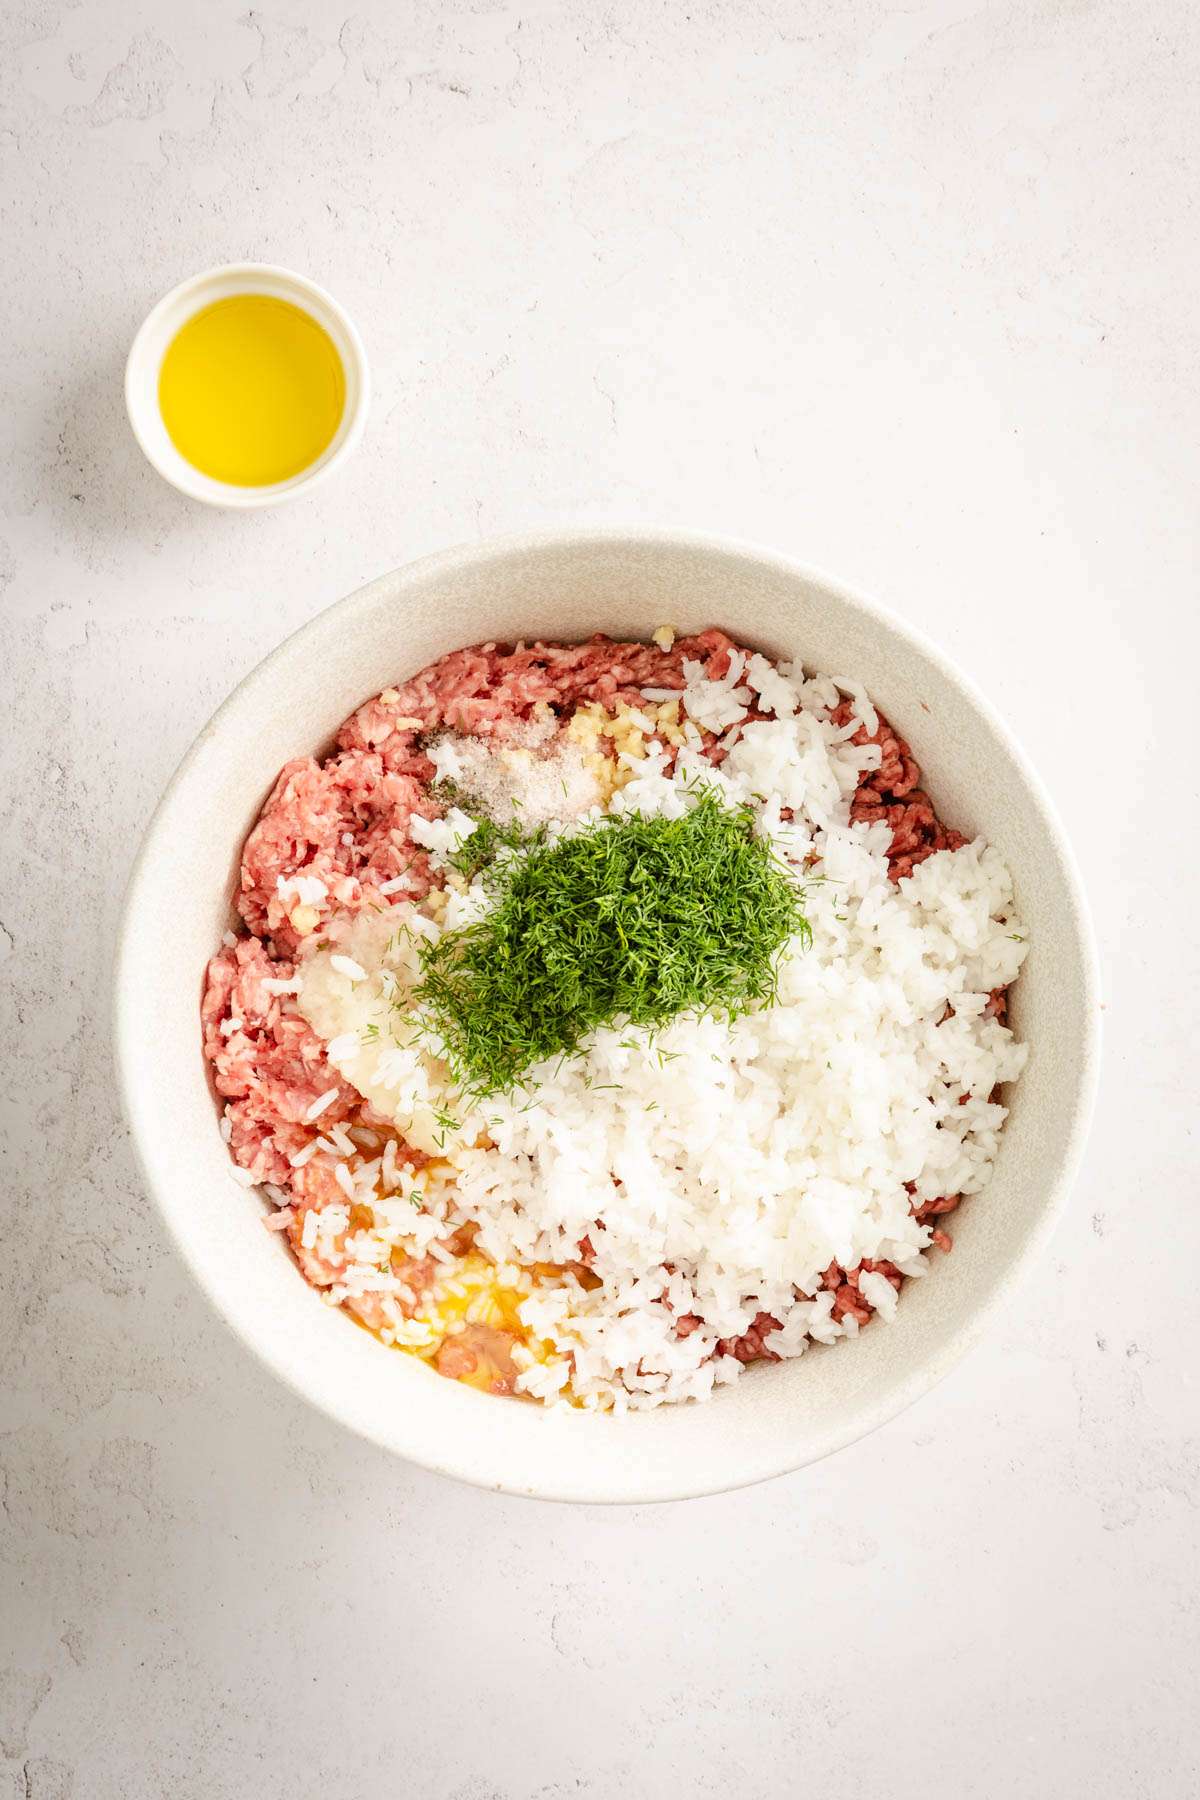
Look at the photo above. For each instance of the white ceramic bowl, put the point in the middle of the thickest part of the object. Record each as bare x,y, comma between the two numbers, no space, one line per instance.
162,326
566,585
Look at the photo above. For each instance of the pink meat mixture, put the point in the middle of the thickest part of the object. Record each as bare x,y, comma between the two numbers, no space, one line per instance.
345,822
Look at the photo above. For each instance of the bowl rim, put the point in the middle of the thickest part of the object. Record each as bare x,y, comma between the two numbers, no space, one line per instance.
929,1372
313,299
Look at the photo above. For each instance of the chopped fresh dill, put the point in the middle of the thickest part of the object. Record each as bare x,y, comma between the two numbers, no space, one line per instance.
485,843
417,1197
633,919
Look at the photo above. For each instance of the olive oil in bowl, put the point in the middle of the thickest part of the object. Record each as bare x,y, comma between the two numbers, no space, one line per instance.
252,390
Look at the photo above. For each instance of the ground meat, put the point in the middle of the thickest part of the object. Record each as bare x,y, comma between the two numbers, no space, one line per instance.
848,1302
480,1355
891,794
750,1346
934,1209
843,1283
267,1061
489,688
314,1187
303,831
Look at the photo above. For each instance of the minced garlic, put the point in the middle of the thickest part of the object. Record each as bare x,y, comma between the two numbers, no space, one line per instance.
625,730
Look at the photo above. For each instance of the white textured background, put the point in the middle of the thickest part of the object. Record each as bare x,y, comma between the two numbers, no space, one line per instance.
909,291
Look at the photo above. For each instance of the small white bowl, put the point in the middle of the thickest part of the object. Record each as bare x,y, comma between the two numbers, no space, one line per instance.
566,585
163,325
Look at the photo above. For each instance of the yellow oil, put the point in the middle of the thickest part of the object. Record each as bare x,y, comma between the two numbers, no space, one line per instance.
252,390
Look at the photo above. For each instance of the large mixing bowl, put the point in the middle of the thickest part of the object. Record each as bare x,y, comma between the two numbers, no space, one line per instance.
566,585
